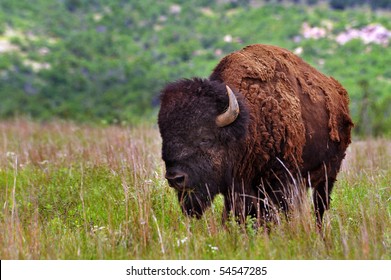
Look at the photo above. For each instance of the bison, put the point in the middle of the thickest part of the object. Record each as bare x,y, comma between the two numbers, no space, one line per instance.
264,126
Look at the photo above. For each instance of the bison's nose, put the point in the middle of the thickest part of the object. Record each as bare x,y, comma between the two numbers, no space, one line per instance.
176,179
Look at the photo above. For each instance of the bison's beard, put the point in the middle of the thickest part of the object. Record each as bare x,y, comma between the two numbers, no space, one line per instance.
194,203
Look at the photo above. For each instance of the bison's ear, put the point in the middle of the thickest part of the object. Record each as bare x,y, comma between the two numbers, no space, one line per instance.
230,115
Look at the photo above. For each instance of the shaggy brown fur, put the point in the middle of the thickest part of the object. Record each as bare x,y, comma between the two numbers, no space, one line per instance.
294,122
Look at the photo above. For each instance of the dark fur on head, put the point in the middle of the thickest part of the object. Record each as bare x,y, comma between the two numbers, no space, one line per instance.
194,144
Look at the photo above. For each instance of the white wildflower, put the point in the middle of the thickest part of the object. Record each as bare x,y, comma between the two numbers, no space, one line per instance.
10,155
97,17
228,38
182,241
213,248
298,50
97,228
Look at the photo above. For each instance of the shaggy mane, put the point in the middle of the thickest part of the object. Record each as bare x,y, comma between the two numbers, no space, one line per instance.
274,81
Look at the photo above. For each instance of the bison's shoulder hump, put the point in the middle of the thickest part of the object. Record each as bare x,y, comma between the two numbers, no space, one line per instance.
277,84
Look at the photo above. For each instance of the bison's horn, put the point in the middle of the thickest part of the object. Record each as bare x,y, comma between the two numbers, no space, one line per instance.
230,115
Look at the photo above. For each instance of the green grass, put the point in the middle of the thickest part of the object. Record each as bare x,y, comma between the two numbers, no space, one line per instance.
80,192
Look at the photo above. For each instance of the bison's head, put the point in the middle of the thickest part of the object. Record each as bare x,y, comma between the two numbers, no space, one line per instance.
203,127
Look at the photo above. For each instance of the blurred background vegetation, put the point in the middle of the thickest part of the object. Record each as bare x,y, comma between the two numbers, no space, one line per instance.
104,61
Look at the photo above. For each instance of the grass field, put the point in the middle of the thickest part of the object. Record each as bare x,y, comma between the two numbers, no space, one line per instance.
81,192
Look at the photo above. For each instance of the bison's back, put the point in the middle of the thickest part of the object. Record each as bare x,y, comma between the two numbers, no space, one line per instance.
297,113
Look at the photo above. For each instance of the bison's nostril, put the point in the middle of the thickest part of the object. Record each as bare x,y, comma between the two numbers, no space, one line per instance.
180,179
176,179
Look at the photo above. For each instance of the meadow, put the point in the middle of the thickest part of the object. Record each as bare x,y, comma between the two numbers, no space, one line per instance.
73,191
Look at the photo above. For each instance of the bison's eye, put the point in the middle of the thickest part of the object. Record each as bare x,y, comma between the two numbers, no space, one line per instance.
206,142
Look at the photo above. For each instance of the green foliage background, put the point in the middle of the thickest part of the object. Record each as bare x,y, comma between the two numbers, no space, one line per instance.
105,61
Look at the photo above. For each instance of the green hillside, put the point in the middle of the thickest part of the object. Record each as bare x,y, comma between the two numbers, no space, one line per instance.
105,61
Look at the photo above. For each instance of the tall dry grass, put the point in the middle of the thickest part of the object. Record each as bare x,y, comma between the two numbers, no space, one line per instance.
71,191
32,155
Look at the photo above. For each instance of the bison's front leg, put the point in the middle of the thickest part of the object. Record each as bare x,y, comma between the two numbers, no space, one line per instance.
242,206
